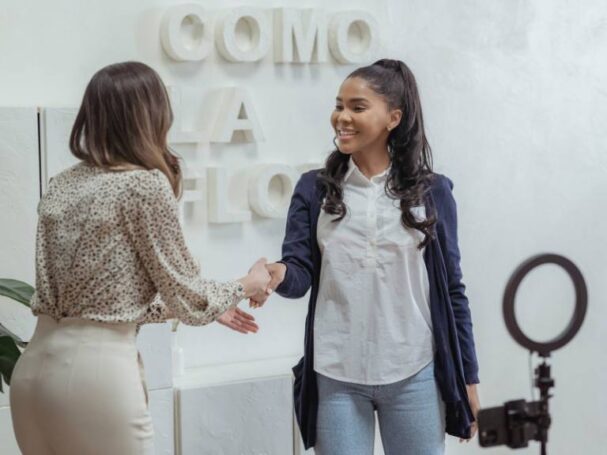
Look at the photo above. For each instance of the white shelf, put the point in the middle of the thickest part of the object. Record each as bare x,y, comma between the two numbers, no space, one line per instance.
235,372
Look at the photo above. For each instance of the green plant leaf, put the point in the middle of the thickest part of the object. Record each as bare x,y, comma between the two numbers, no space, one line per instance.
6,332
9,354
16,290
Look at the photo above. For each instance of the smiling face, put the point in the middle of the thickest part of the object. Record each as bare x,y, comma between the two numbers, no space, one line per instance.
362,119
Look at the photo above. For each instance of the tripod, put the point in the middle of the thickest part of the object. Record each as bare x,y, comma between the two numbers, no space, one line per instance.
544,382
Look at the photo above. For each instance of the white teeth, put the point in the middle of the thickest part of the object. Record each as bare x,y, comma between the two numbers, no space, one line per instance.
346,133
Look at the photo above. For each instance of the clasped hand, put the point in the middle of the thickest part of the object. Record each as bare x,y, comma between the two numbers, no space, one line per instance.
277,271
260,282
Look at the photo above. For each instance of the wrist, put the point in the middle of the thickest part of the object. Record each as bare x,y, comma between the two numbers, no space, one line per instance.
283,268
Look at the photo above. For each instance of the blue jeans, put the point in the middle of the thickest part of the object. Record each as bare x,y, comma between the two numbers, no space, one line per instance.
410,413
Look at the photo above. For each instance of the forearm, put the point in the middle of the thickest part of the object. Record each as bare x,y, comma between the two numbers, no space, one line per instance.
297,280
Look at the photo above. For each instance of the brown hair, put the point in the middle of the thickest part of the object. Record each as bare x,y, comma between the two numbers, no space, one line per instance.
125,117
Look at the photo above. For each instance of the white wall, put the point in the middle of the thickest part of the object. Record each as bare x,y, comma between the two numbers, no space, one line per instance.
513,94
18,198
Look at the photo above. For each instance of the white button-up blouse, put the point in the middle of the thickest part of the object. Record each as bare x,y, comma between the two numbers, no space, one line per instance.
372,323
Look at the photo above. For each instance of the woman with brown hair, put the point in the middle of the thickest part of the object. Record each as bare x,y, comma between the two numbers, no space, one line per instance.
110,256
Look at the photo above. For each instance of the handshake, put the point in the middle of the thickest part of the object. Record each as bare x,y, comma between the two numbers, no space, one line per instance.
262,280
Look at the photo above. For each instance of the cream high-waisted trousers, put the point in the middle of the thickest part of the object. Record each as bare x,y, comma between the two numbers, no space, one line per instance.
78,390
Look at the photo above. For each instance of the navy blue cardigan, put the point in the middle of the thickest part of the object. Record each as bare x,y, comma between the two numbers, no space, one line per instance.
455,359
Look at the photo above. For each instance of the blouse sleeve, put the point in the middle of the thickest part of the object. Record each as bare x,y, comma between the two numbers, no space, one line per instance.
152,221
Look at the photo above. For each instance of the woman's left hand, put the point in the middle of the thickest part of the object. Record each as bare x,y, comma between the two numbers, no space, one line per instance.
475,405
238,320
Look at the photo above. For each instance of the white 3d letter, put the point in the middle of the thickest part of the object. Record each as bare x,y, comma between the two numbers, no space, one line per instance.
192,175
176,135
171,33
257,24
302,28
340,45
218,190
261,199
236,113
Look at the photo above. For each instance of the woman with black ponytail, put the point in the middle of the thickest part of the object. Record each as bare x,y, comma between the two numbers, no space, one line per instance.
374,234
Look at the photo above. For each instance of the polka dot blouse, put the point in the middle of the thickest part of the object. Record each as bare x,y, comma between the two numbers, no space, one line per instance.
109,248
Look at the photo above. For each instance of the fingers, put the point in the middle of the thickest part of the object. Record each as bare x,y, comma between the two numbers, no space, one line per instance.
249,326
239,321
267,278
232,325
257,302
246,320
260,298
261,262
473,430
237,328
242,325
244,314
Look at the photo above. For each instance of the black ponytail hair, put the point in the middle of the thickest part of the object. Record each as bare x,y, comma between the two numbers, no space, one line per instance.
410,153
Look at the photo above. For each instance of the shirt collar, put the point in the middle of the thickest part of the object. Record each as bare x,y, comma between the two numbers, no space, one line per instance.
356,174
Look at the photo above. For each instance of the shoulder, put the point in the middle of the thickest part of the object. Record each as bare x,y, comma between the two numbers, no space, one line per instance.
441,192
69,173
310,177
147,187
307,183
143,180
440,183
441,188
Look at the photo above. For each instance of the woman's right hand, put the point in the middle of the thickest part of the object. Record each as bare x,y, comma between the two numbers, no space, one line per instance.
257,281
278,271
